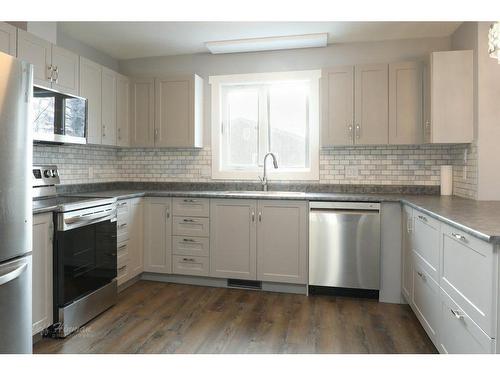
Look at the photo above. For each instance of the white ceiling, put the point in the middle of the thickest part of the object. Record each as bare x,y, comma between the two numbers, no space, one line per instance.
127,40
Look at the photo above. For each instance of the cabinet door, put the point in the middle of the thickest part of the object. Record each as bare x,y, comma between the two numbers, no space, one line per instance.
337,85
90,88
42,272
8,37
136,236
282,241
122,110
452,97
158,235
142,125
233,238
66,70
174,107
108,105
405,103
38,52
371,105
407,252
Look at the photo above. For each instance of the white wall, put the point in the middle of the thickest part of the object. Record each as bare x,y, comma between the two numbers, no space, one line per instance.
339,54
44,30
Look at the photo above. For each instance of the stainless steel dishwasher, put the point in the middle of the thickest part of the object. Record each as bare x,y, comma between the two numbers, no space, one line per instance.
344,247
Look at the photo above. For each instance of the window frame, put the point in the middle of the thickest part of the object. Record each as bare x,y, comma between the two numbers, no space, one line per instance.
221,172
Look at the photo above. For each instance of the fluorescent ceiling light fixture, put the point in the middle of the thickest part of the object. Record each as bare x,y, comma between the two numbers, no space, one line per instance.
268,44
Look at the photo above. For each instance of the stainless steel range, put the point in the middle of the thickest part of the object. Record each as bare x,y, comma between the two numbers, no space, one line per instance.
84,253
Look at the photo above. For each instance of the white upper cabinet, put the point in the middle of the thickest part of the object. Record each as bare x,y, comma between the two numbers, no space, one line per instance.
337,90
449,103
142,123
37,51
54,67
405,103
179,111
90,88
8,36
371,112
108,107
122,110
66,70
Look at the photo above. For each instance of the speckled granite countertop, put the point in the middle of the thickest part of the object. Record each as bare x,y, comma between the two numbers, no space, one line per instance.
478,218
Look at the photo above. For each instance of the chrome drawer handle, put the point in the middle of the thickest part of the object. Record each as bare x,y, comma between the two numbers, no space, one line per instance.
122,268
423,218
190,200
188,240
422,276
122,247
123,225
188,259
457,314
122,204
189,221
458,236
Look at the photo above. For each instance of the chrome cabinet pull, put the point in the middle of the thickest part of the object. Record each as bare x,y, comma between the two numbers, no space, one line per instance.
253,216
457,314
122,247
123,225
189,200
358,131
122,268
422,276
188,240
50,73
56,72
458,236
156,134
408,225
119,134
260,216
189,220
167,213
423,218
188,259
122,204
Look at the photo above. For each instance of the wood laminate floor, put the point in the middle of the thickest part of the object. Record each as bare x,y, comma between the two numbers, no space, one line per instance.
154,317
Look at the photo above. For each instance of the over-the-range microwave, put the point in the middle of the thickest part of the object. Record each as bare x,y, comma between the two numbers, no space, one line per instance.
58,117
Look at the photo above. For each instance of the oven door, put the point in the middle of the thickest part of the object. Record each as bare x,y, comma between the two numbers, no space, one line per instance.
58,117
86,260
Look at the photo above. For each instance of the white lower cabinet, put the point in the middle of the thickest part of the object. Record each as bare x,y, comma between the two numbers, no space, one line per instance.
282,241
458,307
458,332
425,301
43,229
233,238
407,266
136,236
158,235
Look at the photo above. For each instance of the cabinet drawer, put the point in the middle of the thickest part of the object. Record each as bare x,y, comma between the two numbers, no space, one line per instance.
122,249
458,333
121,236
122,208
425,301
426,241
468,275
190,265
199,207
122,274
197,246
191,226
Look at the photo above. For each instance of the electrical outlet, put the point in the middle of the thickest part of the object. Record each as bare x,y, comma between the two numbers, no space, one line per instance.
351,171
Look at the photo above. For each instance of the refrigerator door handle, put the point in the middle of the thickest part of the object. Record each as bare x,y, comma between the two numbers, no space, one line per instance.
12,274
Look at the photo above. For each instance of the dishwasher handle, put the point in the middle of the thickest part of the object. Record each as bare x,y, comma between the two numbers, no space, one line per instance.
344,206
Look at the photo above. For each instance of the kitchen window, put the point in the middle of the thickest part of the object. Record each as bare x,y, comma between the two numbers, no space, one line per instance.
253,114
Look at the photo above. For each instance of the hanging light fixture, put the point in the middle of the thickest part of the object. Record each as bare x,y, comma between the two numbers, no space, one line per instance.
494,41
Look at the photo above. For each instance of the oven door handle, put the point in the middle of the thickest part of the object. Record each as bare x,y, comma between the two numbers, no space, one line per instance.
77,219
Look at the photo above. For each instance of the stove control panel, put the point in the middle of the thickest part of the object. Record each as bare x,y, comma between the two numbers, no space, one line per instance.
45,175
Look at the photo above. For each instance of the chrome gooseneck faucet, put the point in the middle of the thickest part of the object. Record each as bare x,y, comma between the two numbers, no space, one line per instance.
275,164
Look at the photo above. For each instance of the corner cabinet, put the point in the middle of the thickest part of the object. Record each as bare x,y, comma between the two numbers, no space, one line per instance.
448,99
282,241
407,266
158,235
8,38
43,229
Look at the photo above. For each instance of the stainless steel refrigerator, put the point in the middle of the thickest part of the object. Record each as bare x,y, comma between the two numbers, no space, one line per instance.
15,205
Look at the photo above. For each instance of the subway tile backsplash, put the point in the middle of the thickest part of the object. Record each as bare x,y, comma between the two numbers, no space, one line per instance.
370,165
